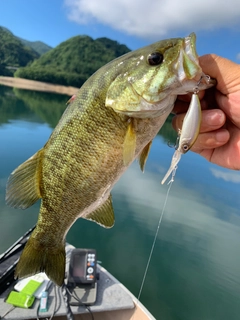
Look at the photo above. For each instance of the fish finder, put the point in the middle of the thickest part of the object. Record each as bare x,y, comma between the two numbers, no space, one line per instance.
83,266
82,276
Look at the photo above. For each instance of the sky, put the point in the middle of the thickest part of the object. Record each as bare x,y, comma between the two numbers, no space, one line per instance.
135,23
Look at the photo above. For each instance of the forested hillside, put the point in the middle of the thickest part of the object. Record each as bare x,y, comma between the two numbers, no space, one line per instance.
38,46
13,52
73,61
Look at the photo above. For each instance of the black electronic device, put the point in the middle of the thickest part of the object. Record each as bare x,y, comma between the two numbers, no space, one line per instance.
83,267
82,277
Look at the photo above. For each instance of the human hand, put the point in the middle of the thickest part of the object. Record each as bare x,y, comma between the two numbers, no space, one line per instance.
219,138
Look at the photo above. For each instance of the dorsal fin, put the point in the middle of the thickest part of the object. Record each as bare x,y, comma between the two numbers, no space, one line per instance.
103,215
129,145
144,155
23,184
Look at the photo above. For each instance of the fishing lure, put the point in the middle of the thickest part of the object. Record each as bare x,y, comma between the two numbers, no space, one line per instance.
188,134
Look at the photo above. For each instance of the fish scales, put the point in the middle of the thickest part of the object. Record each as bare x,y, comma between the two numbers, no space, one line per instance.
111,121
92,145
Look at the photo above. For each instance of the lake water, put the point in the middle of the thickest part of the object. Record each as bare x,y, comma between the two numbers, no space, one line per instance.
194,273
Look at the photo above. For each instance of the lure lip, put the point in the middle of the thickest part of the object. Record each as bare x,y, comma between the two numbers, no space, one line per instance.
175,160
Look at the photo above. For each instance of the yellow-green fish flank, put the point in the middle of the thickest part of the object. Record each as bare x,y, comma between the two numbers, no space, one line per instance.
112,120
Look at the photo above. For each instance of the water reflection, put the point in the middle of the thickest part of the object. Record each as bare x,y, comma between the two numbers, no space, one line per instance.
10,106
230,176
31,105
48,106
194,272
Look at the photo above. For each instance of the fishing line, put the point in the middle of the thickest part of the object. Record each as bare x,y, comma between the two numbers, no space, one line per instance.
172,171
156,234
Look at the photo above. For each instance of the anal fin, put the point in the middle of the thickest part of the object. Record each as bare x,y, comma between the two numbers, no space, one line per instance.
104,214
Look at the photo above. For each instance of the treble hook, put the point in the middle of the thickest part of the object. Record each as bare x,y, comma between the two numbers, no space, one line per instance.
196,89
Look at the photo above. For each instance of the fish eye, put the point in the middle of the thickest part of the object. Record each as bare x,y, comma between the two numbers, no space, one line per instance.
155,58
185,147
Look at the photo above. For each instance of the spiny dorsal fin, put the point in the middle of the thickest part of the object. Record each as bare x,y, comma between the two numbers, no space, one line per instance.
23,183
144,155
129,145
103,215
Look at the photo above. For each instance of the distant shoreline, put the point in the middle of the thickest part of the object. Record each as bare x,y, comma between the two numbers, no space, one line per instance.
37,85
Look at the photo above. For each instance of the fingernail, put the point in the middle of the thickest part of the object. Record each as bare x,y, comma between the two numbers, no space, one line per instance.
214,117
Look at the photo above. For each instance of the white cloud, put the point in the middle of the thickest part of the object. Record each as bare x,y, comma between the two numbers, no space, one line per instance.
238,56
154,18
230,176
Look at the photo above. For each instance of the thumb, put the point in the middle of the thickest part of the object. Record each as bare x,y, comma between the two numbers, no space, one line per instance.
226,72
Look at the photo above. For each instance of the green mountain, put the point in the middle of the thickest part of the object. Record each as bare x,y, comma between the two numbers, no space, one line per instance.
73,61
13,52
38,46
16,52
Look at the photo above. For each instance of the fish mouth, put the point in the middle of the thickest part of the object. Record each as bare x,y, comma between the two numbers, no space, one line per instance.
190,47
189,72
188,64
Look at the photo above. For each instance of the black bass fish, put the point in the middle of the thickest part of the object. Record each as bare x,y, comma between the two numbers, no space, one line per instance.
112,121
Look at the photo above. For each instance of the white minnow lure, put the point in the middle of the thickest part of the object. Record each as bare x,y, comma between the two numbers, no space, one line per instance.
189,133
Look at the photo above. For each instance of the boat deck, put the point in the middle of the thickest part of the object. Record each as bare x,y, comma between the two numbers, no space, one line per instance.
113,301
111,296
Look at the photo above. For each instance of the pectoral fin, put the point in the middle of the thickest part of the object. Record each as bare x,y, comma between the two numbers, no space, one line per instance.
23,184
103,215
144,155
71,99
129,145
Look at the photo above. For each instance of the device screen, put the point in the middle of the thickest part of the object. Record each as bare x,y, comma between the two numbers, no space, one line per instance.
79,262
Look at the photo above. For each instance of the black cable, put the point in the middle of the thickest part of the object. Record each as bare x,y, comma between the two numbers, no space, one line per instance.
59,293
76,297
69,313
84,305
55,304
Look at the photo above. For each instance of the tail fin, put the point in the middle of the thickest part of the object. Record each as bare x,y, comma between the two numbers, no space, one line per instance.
35,259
